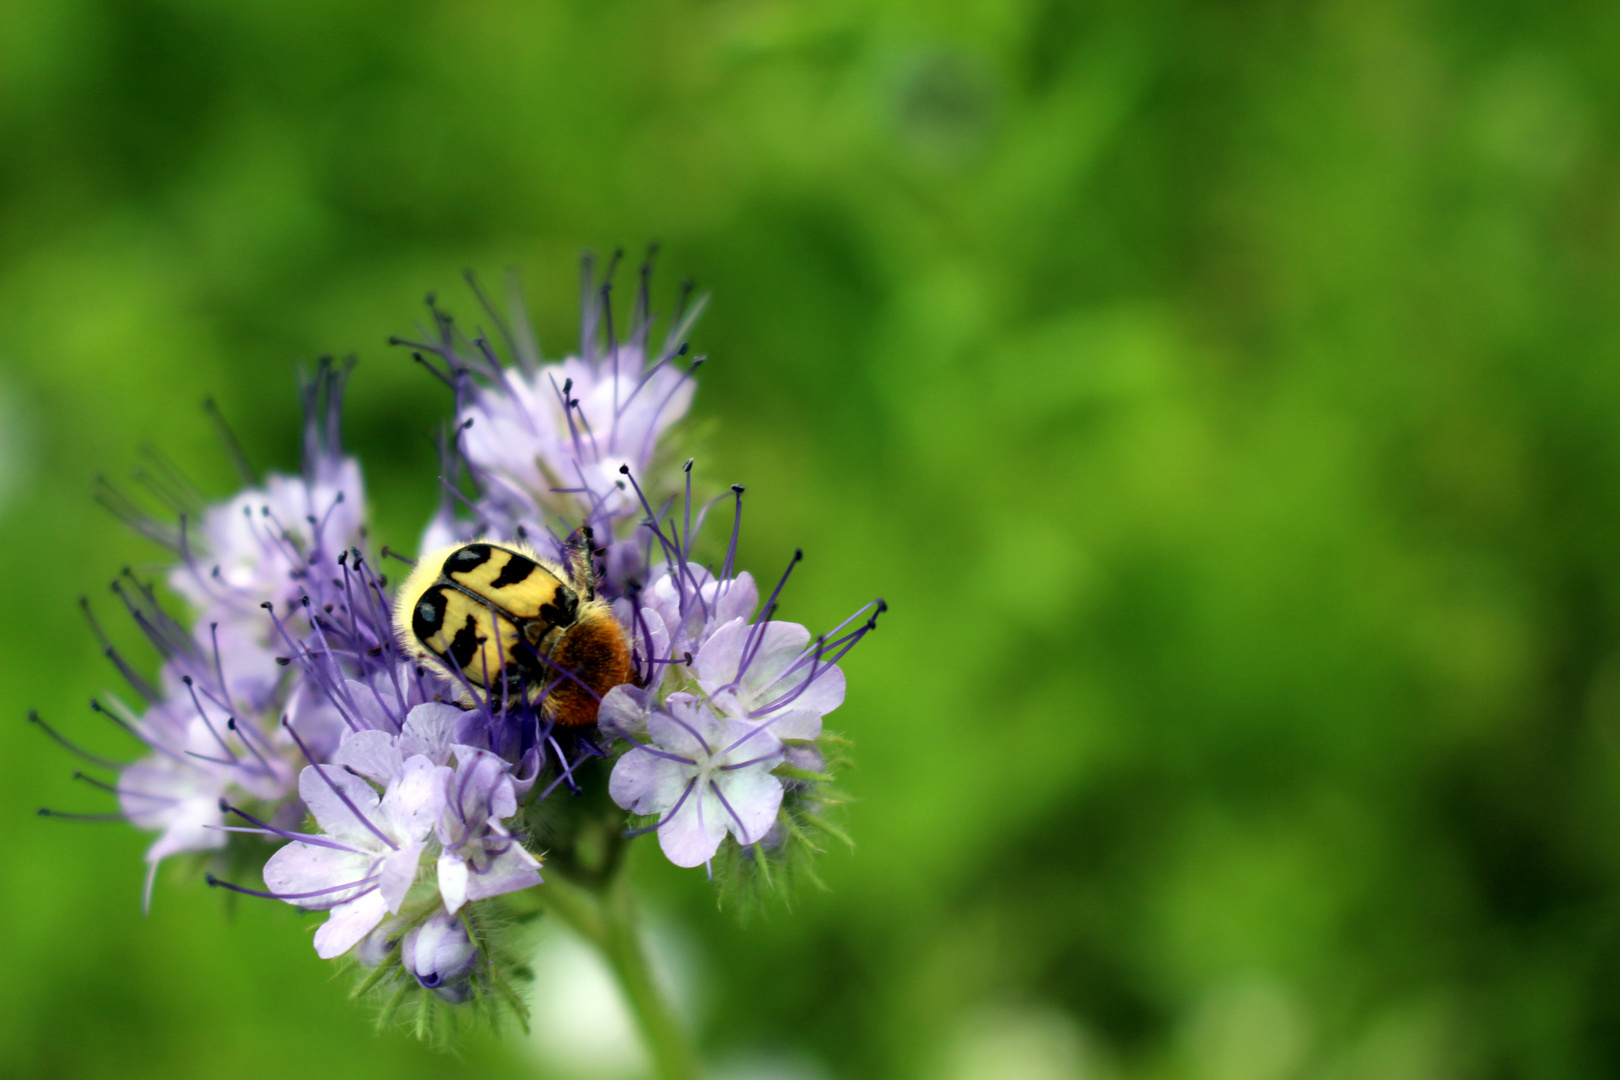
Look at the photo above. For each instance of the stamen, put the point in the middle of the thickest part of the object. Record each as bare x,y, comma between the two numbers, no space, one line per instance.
215,882
233,448
64,815
319,771
94,759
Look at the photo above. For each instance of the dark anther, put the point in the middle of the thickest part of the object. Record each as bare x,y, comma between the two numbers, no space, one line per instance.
268,606
327,609
568,384
686,658
738,488
283,660
682,350
186,679
343,557
224,807
209,877
374,651
688,466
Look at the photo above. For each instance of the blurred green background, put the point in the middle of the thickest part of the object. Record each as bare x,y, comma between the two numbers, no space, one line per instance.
1223,396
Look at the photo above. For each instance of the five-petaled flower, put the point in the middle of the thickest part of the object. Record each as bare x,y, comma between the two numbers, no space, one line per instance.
703,775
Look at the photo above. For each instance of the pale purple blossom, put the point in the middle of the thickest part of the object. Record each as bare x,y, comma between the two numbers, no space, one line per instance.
548,443
703,775
480,858
368,853
264,544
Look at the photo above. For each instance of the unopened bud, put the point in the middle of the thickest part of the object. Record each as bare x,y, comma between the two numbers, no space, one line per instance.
441,955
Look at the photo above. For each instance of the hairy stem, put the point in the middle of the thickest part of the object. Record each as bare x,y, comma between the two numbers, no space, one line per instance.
606,917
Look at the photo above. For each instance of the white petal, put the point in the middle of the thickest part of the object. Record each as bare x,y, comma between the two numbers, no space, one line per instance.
430,728
689,728
337,817
794,724
754,796
644,783
365,702
511,870
399,874
774,650
716,661
349,923
415,799
693,835
372,754
300,868
822,696
188,829
734,598
741,741
623,712
452,882
645,626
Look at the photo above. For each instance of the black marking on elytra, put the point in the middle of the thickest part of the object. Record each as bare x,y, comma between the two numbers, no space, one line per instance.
517,569
428,618
467,558
464,646
563,609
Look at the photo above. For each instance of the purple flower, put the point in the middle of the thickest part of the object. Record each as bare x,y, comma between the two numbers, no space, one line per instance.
480,857
548,444
703,775
290,696
366,858
680,610
264,544
768,673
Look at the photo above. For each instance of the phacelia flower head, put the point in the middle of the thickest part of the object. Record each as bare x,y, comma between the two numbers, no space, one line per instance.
302,728
547,442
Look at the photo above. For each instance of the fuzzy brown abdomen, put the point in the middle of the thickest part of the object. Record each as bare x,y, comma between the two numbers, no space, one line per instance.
597,654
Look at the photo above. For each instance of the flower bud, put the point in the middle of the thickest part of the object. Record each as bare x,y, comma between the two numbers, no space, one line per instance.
441,955
375,946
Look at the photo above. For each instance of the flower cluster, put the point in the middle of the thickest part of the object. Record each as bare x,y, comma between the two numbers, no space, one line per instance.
294,730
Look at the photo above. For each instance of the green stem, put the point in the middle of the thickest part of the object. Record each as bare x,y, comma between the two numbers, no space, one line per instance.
607,918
